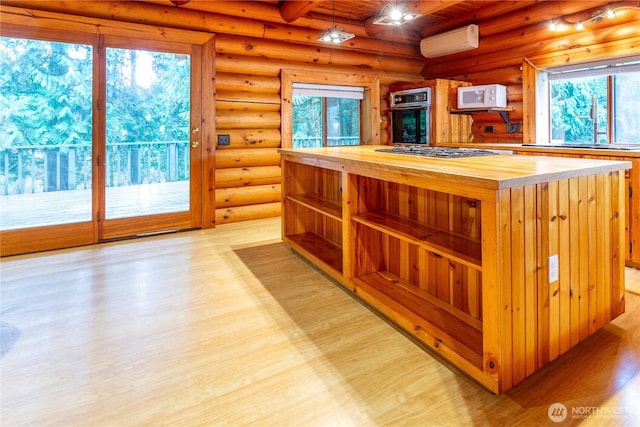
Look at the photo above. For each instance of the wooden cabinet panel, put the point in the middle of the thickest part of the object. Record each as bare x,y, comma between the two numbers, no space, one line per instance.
468,277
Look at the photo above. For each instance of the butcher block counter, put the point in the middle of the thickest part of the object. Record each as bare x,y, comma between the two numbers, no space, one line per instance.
499,263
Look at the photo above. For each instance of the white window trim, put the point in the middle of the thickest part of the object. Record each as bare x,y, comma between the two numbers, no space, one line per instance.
328,91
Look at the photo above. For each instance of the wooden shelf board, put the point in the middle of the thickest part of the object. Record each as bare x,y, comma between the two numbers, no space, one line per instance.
437,323
443,305
319,204
318,249
457,248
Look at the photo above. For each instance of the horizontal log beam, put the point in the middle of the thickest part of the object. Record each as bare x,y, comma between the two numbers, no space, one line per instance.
243,177
509,48
246,106
255,194
185,18
247,213
247,83
247,120
239,63
239,158
250,138
292,10
40,23
297,53
248,97
540,13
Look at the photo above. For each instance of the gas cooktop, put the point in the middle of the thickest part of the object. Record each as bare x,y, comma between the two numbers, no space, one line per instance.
442,152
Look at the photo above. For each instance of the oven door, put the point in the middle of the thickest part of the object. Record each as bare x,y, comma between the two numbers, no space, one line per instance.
411,125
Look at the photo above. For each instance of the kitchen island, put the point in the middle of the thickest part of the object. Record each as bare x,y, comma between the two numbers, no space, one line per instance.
498,263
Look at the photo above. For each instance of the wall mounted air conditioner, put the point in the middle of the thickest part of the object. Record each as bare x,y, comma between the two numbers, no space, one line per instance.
458,40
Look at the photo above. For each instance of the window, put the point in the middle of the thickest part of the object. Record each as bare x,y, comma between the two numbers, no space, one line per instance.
46,132
597,103
325,115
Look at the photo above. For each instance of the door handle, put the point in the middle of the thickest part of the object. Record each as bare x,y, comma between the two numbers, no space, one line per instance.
194,143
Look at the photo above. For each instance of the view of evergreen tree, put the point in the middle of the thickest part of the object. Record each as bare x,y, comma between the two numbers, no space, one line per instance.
45,93
46,97
343,121
571,102
147,104
147,101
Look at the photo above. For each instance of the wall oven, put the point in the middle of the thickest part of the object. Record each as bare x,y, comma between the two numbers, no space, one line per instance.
411,116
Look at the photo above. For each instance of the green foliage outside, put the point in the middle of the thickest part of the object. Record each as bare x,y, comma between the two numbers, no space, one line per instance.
46,97
343,121
571,102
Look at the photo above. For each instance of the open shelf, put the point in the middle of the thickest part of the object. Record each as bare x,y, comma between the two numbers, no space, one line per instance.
457,248
317,248
428,317
504,114
319,204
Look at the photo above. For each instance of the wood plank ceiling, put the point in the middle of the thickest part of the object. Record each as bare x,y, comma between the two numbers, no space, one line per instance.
356,16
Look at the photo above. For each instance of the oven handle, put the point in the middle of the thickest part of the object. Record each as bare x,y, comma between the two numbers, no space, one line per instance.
410,107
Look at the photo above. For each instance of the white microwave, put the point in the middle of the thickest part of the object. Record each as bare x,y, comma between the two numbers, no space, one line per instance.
485,96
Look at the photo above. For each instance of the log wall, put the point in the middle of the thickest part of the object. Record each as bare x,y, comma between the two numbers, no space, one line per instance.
246,66
248,110
510,40
250,55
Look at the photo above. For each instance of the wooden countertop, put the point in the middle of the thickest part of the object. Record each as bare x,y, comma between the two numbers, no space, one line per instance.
599,152
487,172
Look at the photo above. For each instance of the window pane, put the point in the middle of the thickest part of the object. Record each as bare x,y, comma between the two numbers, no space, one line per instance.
307,121
148,151
572,103
626,103
45,132
343,121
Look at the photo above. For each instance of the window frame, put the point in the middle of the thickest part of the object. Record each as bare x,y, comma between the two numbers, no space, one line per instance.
325,93
607,69
536,129
369,106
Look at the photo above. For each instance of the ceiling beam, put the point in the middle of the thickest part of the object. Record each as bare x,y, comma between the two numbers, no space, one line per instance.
291,10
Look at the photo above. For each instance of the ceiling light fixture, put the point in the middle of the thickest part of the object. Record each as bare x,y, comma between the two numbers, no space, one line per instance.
334,34
597,16
395,14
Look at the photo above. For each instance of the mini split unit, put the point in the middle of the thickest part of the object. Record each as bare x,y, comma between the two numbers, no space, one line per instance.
454,41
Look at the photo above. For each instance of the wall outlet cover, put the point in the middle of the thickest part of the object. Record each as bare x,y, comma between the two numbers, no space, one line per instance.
553,268
224,139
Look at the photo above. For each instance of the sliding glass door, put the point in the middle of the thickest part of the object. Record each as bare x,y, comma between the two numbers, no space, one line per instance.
151,146
96,144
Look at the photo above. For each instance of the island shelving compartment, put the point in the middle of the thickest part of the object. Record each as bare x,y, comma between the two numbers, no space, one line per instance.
456,251
312,196
420,250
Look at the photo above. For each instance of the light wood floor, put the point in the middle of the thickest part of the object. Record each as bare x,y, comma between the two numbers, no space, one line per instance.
229,327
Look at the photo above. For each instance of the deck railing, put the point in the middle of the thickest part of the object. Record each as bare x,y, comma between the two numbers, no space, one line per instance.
310,142
38,168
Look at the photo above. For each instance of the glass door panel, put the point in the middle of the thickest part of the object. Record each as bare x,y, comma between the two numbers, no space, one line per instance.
45,133
147,133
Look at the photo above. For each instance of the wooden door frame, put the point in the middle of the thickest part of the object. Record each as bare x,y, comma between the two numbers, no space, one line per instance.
53,26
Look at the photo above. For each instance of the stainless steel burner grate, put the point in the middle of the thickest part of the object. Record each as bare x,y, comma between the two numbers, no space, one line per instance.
442,152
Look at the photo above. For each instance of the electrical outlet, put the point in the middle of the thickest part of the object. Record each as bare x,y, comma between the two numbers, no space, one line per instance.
553,268
224,139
